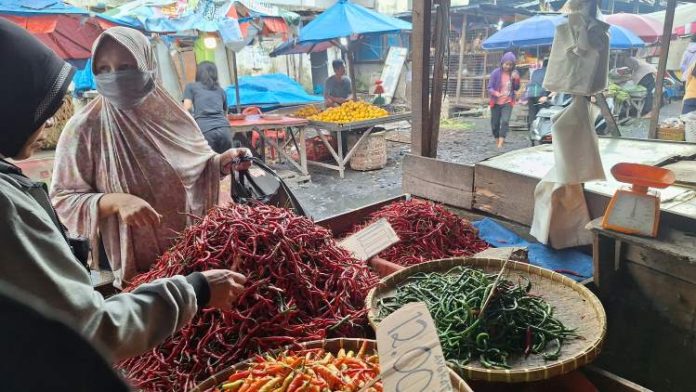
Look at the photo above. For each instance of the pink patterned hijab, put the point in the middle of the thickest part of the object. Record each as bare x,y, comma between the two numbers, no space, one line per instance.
153,150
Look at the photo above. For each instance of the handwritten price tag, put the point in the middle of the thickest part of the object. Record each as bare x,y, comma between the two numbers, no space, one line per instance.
410,353
371,240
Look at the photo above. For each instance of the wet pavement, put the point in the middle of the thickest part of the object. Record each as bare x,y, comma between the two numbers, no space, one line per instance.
327,194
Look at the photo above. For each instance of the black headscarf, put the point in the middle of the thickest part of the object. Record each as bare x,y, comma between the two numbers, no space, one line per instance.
33,79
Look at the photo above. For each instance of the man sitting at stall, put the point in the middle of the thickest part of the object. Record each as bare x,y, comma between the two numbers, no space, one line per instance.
337,88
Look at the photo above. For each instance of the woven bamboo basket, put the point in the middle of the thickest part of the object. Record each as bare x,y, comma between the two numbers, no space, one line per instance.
671,133
330,345
573,304
372,153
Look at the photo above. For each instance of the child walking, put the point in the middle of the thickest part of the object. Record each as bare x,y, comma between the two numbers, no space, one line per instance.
504,83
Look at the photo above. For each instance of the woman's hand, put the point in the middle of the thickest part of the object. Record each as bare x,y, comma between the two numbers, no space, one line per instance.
226,158
225,287
132,210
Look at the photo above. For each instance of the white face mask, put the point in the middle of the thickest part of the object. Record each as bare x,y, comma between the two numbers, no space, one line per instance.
125,89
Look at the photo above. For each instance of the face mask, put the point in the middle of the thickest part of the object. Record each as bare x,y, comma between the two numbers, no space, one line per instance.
125,89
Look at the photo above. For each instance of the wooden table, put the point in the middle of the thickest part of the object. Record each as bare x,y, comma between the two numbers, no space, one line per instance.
338,156
295,127
663,269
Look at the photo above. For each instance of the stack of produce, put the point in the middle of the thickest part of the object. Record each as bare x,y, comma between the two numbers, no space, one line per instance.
514,321
350,111
306,111
308,370
427,231
301,287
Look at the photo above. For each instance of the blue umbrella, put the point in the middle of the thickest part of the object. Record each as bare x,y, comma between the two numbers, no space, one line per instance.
623,38
344,19
539,31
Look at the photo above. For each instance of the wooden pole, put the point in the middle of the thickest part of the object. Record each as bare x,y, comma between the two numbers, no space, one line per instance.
420,79
662,67
236,81
441,42
351,69
462,48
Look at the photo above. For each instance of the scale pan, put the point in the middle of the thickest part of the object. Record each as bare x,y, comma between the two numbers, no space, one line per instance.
643,175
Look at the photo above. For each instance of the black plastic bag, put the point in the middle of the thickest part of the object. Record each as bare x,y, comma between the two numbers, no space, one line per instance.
261,184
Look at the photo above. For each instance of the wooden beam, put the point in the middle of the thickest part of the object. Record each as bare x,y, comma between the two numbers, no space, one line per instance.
420,74
441,42
462,48
661,68
434,179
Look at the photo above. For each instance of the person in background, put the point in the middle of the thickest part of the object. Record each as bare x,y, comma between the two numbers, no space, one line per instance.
36,262
208,103
689,57
536,93
643,74
337,88
502,87
689,102
132,167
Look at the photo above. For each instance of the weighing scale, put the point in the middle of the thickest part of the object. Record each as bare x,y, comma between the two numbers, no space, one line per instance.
636,209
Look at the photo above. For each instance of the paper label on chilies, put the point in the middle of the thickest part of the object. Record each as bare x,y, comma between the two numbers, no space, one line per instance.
371,240
410,354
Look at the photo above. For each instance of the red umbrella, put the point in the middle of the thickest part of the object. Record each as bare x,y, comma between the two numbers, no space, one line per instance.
650,30
70,36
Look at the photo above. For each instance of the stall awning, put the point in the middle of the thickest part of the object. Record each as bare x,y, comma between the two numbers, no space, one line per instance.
65,29
345,19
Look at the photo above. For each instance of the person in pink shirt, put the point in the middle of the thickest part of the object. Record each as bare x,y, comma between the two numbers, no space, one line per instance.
502,87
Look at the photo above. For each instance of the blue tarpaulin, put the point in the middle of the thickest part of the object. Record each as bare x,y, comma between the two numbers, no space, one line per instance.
270,92
83,79
344,19
539,31
37,7
539,254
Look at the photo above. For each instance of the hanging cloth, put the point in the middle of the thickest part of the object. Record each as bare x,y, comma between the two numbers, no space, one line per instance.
560,210
578,65
579,60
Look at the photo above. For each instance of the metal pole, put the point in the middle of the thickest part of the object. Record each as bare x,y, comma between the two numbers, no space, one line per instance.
662,67
236,81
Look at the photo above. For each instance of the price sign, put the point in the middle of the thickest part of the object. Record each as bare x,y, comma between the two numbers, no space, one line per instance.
410,353
371,240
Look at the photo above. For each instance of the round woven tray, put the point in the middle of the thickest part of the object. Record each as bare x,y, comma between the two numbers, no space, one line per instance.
573,304
330,345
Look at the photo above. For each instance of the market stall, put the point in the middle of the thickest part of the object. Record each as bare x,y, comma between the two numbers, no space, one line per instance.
294,129
342,130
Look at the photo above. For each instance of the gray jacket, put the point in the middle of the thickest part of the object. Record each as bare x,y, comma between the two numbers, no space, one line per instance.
37,261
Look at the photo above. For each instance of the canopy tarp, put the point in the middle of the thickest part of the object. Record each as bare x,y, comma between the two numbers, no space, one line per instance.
270,91
646,28
539,31
39,7
345,19
684,19
293,47
65,29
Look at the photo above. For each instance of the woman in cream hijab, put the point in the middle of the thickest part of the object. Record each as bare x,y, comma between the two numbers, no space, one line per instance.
133,166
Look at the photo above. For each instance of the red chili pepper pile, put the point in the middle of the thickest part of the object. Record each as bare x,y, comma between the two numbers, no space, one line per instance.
301,286
427,231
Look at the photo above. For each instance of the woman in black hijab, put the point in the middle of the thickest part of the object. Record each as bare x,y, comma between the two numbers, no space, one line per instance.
36,260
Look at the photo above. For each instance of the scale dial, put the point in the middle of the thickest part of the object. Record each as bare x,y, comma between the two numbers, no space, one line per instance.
633,213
